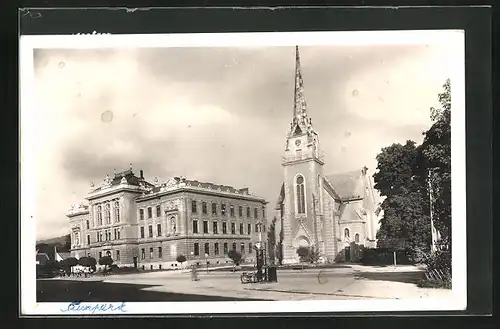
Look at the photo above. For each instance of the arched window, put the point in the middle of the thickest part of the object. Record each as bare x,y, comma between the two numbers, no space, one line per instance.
356,238
301,202
346,232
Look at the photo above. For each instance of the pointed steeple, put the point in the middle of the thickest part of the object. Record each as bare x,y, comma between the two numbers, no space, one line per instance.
300,122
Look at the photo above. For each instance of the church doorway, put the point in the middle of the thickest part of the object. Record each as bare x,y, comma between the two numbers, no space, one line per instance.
347,255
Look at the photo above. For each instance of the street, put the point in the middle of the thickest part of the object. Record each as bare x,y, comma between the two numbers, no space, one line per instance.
307,284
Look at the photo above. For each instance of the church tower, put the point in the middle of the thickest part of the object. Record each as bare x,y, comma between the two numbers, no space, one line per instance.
303,176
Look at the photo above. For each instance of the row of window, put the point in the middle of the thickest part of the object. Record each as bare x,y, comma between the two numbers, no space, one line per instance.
108,253
107,235
223,210
150,212
150,231
107,213
215,228
204,210
225,246
347,235
207,249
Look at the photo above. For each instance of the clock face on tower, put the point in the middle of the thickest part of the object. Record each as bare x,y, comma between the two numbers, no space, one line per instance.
297,142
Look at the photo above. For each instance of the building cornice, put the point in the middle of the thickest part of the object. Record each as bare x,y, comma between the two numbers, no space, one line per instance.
199,190
115,189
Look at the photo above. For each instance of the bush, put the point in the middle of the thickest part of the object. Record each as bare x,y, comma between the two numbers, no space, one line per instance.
181,259
308,255
438,268
385,256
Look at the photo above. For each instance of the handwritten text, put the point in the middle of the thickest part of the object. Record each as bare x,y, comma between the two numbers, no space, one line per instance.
79,307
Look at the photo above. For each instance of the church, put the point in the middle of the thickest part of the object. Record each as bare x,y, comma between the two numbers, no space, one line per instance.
337,214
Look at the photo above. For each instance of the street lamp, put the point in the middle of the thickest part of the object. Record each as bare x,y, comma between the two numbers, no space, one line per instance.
206,261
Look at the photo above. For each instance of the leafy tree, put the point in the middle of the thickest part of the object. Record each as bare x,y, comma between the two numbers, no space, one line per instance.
68,263
181,259
406,223
51,266
87,261
435,164
106,261
235,257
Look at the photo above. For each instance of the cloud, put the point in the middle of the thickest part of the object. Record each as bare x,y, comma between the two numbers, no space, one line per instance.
218,114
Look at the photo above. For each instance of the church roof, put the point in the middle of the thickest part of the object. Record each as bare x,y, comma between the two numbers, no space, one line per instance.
347,185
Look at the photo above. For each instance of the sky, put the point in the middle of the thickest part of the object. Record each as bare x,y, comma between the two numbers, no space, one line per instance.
219,114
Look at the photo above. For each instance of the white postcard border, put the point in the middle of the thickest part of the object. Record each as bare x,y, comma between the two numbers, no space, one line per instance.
28,114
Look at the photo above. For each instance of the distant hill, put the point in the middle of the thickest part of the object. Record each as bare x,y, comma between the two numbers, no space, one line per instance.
61,240
48,246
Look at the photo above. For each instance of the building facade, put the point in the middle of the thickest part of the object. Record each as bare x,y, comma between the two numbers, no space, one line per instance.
147,225
336,214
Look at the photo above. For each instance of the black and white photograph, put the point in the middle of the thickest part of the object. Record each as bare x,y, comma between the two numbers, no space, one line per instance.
307,171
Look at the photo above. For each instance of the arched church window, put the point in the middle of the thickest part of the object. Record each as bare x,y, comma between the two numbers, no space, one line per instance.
356,238
301,204
346,232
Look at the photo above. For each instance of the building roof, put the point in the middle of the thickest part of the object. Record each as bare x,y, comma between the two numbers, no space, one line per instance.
347,185
178,183
129,176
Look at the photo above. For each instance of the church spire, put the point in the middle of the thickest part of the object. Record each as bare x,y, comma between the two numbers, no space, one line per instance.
300,123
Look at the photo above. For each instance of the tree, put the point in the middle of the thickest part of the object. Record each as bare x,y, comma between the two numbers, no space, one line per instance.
87,261
435,164
406,222
68,263
106,261
181,259
271,238
235,257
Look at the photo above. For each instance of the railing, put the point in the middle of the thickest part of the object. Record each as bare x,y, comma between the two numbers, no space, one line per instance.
303,156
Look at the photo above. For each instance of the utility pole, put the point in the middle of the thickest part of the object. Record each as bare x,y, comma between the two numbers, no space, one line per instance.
431,205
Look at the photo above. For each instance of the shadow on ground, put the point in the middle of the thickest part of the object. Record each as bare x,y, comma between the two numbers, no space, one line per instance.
97,291
404,277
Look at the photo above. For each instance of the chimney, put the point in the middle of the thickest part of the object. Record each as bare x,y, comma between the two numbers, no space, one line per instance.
141,174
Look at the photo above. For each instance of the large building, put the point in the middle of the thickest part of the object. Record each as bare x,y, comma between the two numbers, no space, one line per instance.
333,213
147,225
